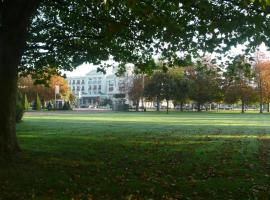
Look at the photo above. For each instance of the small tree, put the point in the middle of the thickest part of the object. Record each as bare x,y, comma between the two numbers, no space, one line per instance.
180,87
240,92
153,90
37,103
205,84
167,86
136,91
66,106
50,106
26,103
159,88
240,78
19,107
262,71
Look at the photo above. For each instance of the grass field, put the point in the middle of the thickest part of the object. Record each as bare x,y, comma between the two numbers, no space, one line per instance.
139,156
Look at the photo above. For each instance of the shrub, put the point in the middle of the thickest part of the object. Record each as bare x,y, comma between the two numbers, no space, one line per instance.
50,106
37,103
19,107
26,103
106,102
66,106
42,103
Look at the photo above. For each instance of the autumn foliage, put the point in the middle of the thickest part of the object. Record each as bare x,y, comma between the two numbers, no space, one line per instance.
264,70
46,92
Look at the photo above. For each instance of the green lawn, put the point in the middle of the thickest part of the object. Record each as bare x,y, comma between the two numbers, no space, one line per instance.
139,156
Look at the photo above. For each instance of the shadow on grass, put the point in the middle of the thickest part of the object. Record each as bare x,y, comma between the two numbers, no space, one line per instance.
122,167
139,156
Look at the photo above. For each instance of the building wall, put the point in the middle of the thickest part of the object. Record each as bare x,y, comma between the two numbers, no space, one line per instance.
95,86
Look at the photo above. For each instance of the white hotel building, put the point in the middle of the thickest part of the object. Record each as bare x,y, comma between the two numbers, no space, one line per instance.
91,89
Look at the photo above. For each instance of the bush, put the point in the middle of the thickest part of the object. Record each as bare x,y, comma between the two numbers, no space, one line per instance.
37,104
19,107
26,103
106,102
120,107
66,106
50,106
43,103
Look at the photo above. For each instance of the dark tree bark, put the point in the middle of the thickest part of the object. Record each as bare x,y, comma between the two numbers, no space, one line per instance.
261,100
158,104
181,106
15,18
268,107
198,107
137,105
167,107
243,106
261,107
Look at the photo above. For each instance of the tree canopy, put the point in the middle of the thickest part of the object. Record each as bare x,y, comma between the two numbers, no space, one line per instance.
65,34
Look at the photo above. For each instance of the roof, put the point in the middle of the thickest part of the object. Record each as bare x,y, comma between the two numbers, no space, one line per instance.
94,72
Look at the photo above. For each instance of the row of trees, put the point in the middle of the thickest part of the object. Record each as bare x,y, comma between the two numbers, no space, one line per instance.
206,82
46,92
40,96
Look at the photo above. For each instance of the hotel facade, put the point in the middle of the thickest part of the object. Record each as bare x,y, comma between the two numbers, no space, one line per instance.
95,87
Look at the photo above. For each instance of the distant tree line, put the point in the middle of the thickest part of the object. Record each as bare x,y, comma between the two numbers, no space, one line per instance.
36,96
241,81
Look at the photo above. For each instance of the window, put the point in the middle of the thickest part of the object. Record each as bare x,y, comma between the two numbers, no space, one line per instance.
73,82
73,88
78,81
89,89
82,88
95,89
111,86
82,81
89,81
121,86
99,89
78,88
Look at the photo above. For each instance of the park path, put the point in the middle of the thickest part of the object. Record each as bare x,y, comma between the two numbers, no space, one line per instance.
77,111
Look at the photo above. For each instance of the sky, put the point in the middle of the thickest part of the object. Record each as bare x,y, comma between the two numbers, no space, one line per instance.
86,67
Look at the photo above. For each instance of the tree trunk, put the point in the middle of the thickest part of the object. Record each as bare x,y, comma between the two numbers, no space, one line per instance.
158,104
243,107
198,107
260,91
268,107
15,18
167,101
261,107
181,106
261,100
142,100
137,106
